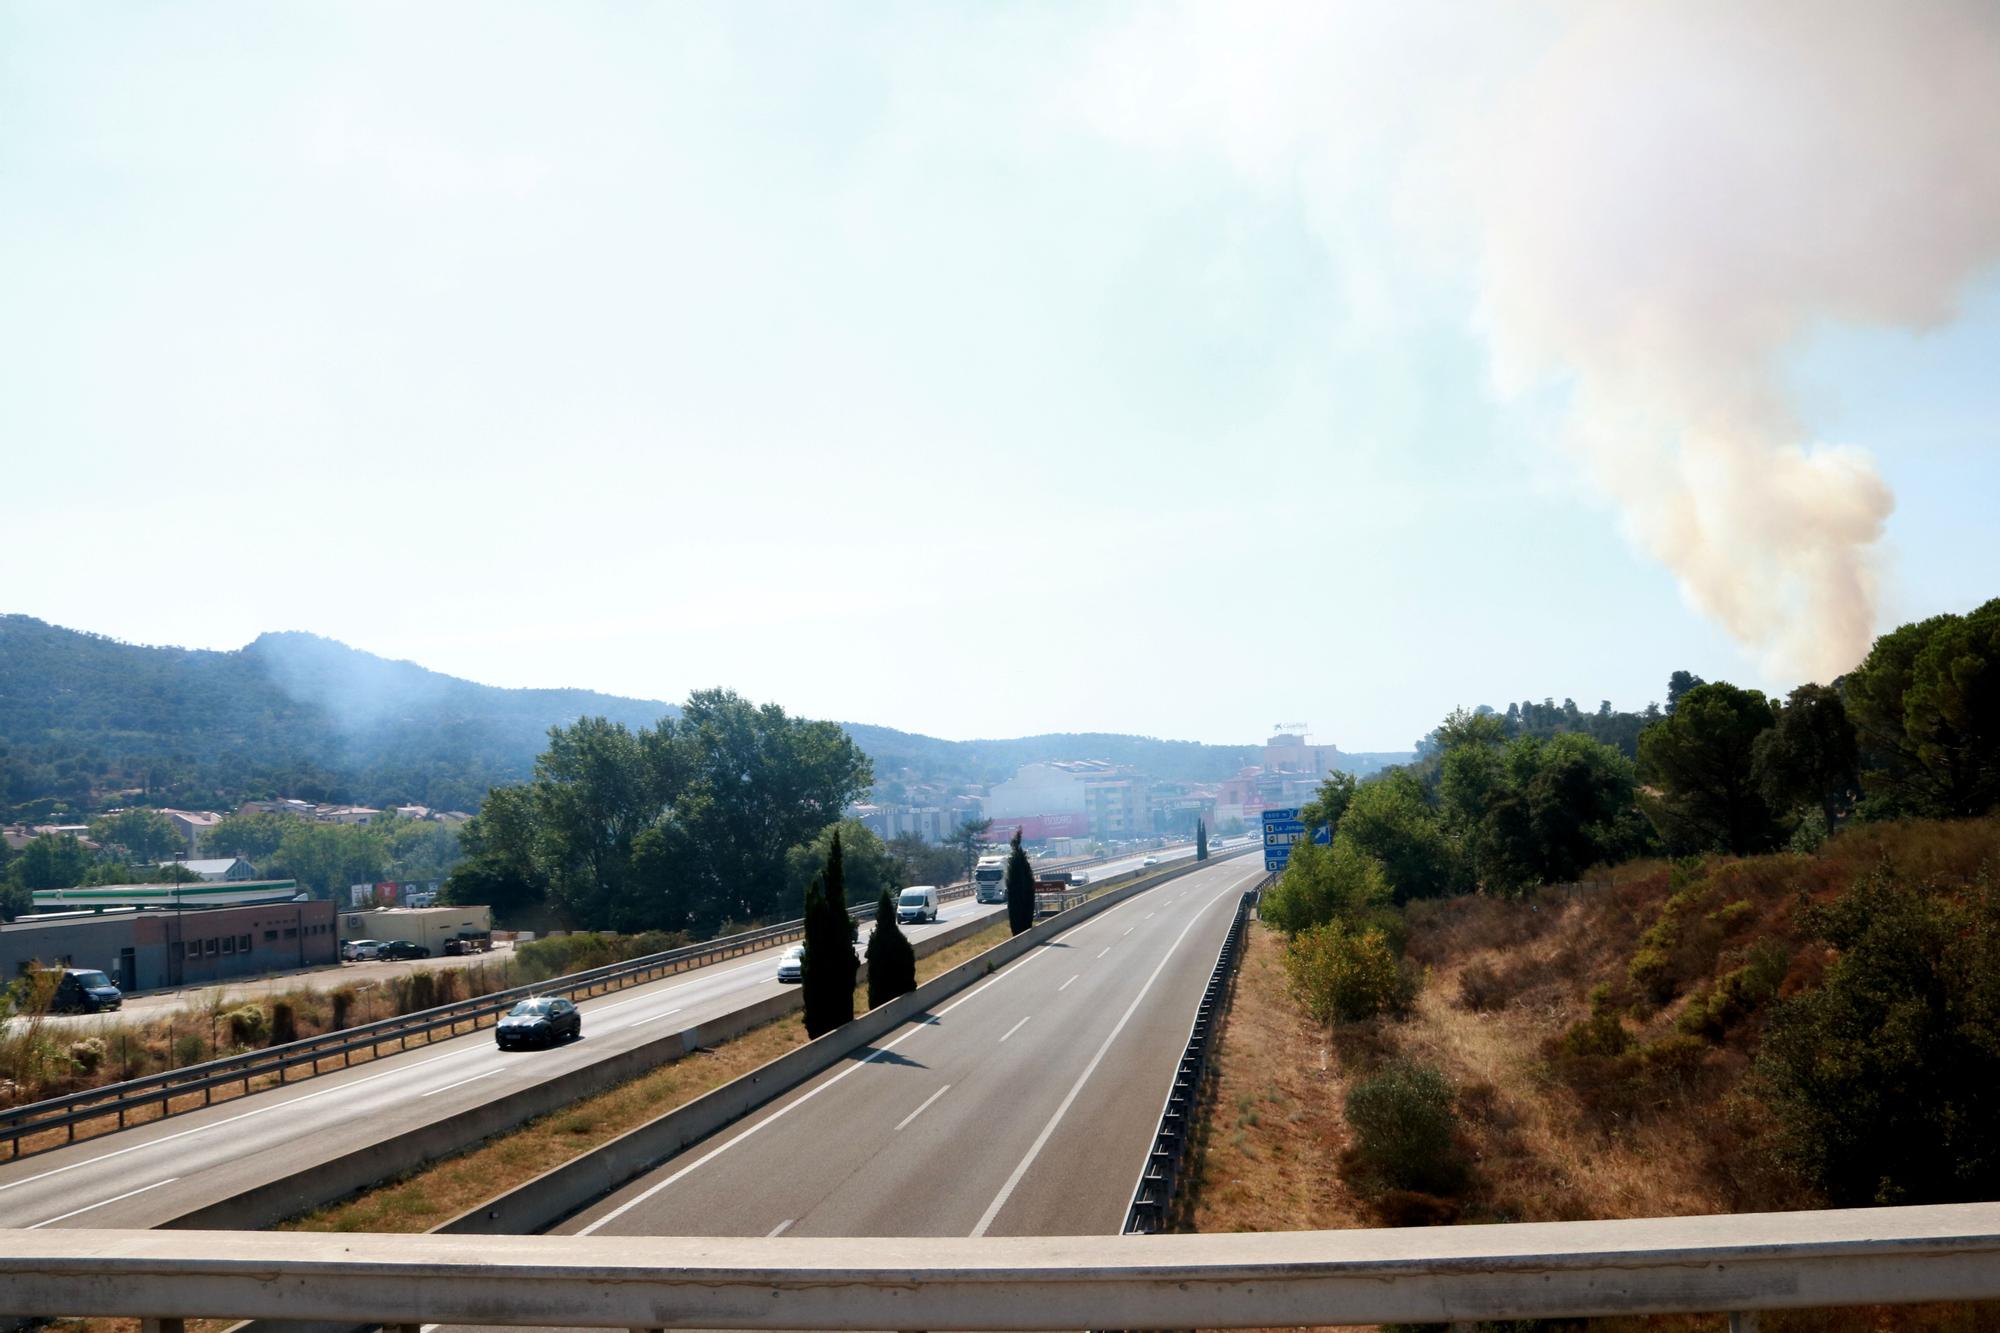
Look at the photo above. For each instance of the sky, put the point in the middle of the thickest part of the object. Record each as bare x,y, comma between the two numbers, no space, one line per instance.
991,370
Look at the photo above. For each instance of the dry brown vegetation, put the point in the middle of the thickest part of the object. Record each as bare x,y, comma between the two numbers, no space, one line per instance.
1658,1117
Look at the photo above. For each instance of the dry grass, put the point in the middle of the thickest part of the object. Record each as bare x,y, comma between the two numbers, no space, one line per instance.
1501,980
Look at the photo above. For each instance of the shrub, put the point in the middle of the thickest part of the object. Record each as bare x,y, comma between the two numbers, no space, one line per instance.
248,1024
87,1054
189,1049
1341,974
1321,884
1480,988
1404,1129
284,1023
1885,1078
1602,1034
1734,996
343,1008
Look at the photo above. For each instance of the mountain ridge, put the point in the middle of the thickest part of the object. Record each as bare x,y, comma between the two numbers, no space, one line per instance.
84,716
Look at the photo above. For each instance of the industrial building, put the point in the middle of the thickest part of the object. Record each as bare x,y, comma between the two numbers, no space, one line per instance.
160,945
428,926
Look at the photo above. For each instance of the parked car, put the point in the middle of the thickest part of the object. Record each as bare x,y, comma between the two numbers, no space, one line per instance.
403,949
917,903
84,990
360,951
792,966
541,1021
467,942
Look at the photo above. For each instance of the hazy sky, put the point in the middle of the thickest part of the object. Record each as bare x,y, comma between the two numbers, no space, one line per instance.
988,370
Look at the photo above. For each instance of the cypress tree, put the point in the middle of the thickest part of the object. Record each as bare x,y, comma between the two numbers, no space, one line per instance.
892,962
829,964
1020,888
1201,840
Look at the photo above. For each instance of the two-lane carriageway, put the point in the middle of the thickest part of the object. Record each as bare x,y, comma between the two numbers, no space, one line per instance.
1025,1105
148,1176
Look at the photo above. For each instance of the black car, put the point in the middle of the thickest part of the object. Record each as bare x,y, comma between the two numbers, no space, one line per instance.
403,949
542,1021
84,990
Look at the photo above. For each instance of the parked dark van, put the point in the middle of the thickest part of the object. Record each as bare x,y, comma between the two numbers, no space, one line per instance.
85,990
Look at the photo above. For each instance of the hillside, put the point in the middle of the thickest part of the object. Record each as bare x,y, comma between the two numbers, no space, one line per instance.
84,717
1718,1034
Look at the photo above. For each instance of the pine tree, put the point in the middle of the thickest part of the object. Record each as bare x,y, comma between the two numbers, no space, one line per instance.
829,965
1200,840
1020,888
892,962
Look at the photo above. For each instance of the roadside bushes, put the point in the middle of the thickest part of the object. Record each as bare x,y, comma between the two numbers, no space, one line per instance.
87,1055
1340,973
248,1024
1406,1130
559,955
1885,1078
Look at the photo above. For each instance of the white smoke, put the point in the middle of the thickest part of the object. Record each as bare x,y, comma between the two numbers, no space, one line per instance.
1664,198
1679,193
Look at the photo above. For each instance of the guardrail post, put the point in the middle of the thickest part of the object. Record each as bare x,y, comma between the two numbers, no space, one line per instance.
1743,1321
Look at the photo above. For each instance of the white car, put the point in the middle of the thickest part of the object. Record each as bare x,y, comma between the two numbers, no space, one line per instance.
361,951
792,967
1150,861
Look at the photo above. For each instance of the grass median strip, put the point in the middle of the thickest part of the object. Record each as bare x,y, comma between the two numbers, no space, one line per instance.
440,1191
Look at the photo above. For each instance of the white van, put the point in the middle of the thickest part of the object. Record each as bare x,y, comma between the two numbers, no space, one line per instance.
918,903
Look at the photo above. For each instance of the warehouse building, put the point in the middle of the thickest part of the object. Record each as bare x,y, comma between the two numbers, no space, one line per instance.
154,947
428,926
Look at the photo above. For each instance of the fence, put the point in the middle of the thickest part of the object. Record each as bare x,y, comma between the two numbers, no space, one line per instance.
1153,1197
303,1058
1739,1265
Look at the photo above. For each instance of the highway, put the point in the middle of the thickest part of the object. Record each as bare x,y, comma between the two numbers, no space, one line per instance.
146,1177
1023,1106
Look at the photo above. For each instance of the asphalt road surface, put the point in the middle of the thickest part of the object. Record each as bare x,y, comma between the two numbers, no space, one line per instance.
1023,1106
145,1177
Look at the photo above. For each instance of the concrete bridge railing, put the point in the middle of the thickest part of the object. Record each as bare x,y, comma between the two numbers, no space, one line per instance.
1734,1265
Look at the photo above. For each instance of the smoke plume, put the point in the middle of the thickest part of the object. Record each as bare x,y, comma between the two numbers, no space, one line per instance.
1676,196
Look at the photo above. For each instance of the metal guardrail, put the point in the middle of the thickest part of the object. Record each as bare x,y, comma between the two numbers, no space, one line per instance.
302,1058
1545,1270
1153,1197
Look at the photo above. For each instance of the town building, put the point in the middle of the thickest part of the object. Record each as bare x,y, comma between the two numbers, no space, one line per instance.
154,948
428,926
216,869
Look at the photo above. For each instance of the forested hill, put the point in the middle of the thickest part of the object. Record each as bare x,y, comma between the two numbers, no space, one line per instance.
84,717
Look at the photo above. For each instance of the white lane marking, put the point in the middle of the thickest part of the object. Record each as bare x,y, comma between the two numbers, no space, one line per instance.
275,1106
919,1111
461,1083
1150,915
1128,931
779,1229
100,1203
1016,1028
654,1018
917,1025
1066,985
1034,1150
1101,952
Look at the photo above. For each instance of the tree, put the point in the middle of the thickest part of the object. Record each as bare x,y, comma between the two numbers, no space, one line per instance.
1390,821
143,836
892,962
1565,804
1200,840
1020,888
1701,758
1679,684
1810,757
828,967
865,860
1330,804
252,836
1926,707
968,838
51,861
1325,883
920,862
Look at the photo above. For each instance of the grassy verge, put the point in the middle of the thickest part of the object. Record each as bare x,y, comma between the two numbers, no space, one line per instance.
422,1200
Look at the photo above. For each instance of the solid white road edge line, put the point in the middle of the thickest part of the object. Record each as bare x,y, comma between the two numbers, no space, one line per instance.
102,1202
1041,1140
917,1025
779,1229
